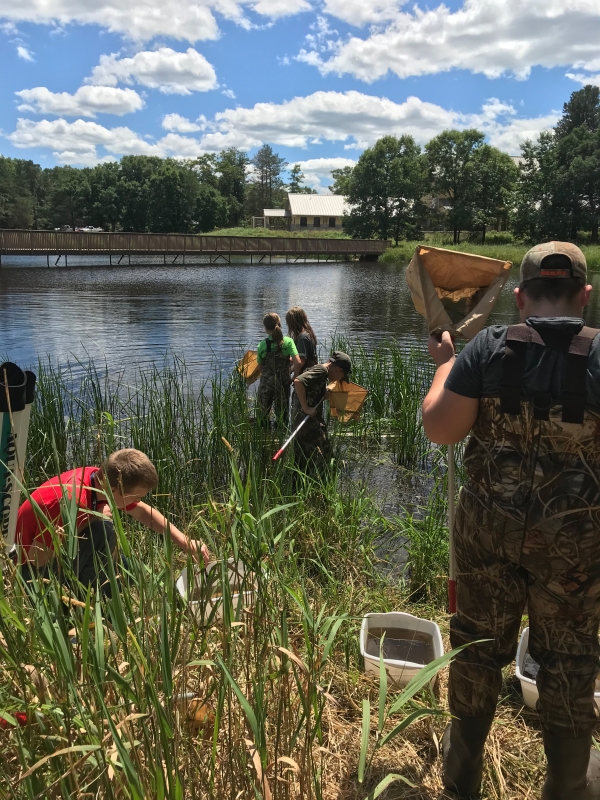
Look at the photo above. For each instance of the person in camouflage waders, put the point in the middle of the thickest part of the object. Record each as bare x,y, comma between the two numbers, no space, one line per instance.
275,355
527,528
310,390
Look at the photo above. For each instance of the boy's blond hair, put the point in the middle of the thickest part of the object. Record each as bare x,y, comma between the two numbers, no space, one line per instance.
128,469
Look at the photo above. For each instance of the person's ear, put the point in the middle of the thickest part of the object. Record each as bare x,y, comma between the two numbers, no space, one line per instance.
519,298
584,295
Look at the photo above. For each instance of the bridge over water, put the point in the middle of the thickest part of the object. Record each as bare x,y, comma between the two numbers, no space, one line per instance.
177,247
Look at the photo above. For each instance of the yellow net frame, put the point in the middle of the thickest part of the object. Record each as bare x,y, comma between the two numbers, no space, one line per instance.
249,367
346,400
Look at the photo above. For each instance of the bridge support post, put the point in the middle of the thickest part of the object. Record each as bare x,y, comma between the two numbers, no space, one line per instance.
48,260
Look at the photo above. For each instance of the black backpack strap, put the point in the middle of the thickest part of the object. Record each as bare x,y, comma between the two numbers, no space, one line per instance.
513,367
576,375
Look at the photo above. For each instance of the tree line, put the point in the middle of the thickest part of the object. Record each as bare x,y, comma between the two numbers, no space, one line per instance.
457,182
146,193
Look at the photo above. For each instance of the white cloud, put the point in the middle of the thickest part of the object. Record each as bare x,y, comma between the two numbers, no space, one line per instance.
229,93
9,28
24,53
351,117
175,122
354,119
164,69
584,80
280,8
492,37
144,20
317,170
77,142
86,102
359,12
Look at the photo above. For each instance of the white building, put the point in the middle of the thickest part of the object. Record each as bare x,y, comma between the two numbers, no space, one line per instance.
303,211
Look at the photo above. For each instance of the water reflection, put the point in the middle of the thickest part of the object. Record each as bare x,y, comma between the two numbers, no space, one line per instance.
133,315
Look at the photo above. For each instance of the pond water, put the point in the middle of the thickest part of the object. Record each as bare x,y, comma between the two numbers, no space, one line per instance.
130,316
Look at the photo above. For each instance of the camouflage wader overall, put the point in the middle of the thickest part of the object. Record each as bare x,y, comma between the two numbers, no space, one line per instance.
274,386
311,445
528,537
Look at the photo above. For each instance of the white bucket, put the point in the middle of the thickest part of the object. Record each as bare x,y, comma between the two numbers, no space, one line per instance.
528,685
212,609
399,672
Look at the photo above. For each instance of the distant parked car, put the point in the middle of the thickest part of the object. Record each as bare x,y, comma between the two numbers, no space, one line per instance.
64,229
89,229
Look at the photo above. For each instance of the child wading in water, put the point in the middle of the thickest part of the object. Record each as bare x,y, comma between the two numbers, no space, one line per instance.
304,338
275,354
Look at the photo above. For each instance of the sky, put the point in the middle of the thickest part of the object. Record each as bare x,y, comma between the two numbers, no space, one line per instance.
87,81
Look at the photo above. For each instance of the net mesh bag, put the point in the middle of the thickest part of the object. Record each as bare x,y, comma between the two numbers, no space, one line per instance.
346,400
455,291
249,367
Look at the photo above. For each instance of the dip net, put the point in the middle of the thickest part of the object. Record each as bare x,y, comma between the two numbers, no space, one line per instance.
346,400
248,367
454,291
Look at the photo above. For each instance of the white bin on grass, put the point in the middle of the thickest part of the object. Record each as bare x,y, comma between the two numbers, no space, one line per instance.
528,685
399,672
203,609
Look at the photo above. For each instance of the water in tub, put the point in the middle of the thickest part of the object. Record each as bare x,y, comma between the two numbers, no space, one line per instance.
401,644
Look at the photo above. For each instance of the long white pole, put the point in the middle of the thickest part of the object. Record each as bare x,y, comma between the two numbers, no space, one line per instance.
451,496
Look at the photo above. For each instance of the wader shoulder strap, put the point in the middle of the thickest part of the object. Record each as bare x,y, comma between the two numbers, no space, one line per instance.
576,375
513,366
269,344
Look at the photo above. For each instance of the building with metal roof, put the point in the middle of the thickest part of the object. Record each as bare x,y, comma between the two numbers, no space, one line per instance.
308,211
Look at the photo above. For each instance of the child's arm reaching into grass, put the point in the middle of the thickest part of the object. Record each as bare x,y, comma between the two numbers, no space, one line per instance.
154,520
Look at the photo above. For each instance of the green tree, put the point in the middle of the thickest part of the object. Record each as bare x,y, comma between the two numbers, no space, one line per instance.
136,172
448,156
172,193
211,209
106,195
582,108
205,167
493,180
69,196
341,178
232,169
295,185
16,198
266,184
385,190
539,214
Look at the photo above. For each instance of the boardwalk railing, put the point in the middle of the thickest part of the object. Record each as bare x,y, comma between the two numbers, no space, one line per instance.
16,242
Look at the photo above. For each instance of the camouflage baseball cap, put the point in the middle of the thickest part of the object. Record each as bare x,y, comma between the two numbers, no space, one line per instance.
541,262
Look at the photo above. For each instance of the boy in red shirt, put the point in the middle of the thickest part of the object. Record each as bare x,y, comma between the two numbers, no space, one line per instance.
130,475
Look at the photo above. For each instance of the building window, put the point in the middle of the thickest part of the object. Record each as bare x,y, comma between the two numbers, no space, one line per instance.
316,222
332,222
303,222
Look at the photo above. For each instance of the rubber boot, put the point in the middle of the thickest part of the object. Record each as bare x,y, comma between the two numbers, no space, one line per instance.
573,771
462,747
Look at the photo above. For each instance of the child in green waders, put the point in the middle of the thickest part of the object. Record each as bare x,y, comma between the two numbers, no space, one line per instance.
275,354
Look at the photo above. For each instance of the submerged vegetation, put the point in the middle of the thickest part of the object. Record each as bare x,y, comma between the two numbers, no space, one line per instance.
135,697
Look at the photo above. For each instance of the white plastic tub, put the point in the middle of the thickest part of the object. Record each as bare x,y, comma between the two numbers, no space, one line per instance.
399,672
203,610
528,685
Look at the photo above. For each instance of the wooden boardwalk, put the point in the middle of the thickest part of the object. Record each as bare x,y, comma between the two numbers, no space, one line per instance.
177,247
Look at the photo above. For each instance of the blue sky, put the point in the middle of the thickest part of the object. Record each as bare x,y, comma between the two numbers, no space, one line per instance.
318,79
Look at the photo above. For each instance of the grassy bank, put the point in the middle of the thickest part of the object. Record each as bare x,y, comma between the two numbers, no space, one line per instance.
506,252
278,687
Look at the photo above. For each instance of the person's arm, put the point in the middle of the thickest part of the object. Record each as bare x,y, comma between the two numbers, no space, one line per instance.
154,520
447,417
300,390
297,364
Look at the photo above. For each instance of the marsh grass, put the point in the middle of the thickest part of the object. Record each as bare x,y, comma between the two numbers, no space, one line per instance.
131,697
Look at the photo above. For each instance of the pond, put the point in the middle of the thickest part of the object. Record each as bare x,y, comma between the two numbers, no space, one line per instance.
132,315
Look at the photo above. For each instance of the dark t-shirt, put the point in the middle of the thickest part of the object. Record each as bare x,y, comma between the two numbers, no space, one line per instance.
315,381
306,347
477,371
